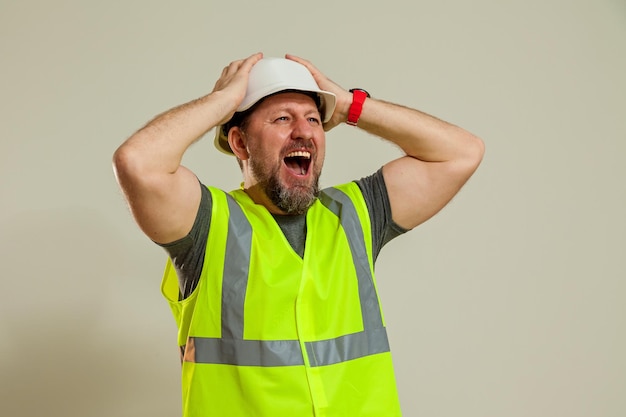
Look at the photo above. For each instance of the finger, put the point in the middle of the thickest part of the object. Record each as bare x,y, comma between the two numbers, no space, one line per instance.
232,67
249,62
312,69
243,64
237,72
228,73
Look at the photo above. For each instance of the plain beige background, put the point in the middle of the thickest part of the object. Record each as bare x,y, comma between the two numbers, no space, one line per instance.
511,302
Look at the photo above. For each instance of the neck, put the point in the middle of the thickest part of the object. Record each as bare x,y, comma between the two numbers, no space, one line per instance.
257,194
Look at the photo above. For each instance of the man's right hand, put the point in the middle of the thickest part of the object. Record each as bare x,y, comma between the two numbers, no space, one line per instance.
163,195
234,81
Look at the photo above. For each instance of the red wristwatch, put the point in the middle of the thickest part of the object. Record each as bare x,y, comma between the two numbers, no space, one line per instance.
358,97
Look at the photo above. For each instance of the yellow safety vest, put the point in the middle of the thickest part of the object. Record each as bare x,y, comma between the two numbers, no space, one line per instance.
268,333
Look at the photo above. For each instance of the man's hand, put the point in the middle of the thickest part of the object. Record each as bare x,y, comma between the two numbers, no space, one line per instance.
344,97
234,81
440,157
162,194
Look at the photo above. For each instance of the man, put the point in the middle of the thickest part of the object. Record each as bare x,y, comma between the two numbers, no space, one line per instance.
272,285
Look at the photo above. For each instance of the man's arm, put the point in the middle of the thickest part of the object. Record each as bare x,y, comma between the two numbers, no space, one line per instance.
163,195
440,157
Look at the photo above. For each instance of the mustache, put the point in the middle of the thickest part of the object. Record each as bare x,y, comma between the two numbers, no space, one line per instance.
298,144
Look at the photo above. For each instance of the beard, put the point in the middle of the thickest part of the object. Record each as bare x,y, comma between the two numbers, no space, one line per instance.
292,200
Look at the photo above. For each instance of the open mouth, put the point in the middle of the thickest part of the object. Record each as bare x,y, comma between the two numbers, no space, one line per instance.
298,162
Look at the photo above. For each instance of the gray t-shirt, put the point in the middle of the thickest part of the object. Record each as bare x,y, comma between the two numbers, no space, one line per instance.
187,254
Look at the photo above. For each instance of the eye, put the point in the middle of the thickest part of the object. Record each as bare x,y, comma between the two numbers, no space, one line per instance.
282,119
314,120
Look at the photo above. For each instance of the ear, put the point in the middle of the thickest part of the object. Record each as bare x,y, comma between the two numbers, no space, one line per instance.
237,142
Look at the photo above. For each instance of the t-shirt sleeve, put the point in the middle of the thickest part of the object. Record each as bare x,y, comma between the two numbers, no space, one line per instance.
384,229
187,253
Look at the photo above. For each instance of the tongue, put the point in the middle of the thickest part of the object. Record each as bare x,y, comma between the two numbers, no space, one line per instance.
294,166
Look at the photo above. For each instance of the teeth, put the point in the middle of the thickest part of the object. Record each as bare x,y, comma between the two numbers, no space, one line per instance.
302,154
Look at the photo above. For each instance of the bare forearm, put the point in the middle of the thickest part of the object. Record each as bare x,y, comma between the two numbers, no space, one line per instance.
418,134
162,194
160,145
440,158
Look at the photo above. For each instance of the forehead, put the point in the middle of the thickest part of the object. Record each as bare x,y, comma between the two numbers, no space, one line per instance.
287,100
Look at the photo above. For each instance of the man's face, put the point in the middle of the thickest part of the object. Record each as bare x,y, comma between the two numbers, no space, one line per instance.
286,145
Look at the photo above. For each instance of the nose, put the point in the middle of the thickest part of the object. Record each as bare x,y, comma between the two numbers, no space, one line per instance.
302,129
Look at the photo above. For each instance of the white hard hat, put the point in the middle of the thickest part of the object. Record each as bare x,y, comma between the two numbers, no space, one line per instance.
273,75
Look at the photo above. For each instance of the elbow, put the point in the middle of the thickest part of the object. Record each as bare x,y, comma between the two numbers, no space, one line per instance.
126,164
470,157
121,160
475,151
136,169
479,151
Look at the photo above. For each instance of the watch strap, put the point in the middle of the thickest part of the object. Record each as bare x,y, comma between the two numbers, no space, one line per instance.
358,98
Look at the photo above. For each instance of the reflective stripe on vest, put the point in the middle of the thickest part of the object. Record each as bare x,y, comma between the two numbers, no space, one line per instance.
233,349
